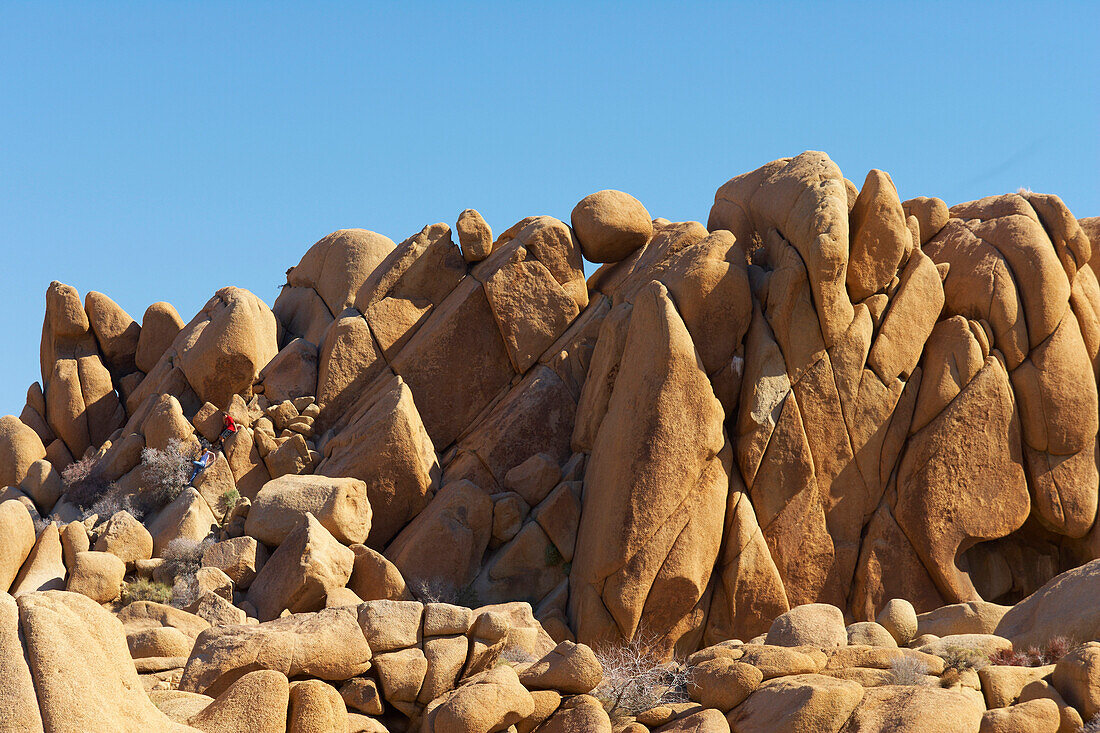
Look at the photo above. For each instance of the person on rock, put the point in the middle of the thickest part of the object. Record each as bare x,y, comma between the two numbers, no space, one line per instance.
230,427
200,464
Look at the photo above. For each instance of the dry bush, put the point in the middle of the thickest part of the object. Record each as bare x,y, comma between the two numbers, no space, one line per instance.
908,670
164,475
182,559
432,591
1056,648
183,592
40,523
1093,726
183,556
111,503
84,486
145,590
636,679
436,590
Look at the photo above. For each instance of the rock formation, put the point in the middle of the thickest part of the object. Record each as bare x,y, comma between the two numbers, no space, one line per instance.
847,429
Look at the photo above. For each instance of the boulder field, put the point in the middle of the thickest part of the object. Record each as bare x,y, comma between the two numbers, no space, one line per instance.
826,463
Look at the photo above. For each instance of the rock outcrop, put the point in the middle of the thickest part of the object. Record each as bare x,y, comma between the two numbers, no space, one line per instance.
833,451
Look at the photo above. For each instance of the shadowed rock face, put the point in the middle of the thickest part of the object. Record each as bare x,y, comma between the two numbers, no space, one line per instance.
824,395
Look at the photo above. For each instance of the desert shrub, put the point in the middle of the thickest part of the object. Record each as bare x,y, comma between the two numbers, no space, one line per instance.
164,475
434,590
145,590
1093,725
1056,648
184,591
111,503
468,597
636,679
77,471
228,500
183,556
908,670
960,659
182,559
83,483
1011,658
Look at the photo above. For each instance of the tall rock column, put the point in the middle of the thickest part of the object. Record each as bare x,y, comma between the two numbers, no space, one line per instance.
82,407
655,490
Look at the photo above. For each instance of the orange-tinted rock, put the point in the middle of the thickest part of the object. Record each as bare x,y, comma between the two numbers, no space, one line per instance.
535,416
459,352
400,468
748,592
20,447
339,504
880,238
300,572
658,471
17,539
943,503
460,518
931,215
327,645
292,373
530,307
988,247
610,225
115,331
1060,608
337,265
805,199
82,407
349,360
475,236
915,707
797,703
159,327
222,350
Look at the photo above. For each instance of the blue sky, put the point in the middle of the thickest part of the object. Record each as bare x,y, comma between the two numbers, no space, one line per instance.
159,151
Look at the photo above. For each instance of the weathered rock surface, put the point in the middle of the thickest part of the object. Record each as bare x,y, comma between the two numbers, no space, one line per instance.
611,225
81,667
1062,607
658,470
339,504
830,423
299,574
327,645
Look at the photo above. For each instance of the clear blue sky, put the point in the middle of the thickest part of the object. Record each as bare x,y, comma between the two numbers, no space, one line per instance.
159,151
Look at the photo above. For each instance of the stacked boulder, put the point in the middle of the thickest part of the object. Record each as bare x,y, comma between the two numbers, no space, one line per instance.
826,397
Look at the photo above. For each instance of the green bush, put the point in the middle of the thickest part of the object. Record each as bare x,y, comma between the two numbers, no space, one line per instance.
961,659
145,590
228,500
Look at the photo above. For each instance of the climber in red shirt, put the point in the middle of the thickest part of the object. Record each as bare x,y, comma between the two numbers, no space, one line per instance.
230,427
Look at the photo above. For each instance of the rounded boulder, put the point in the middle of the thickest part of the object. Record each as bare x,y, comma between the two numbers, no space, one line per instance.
814,624
611,225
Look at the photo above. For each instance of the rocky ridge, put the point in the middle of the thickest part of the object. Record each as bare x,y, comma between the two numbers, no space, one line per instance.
458,487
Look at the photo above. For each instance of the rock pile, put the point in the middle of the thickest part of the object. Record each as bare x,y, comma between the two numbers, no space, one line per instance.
423,486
